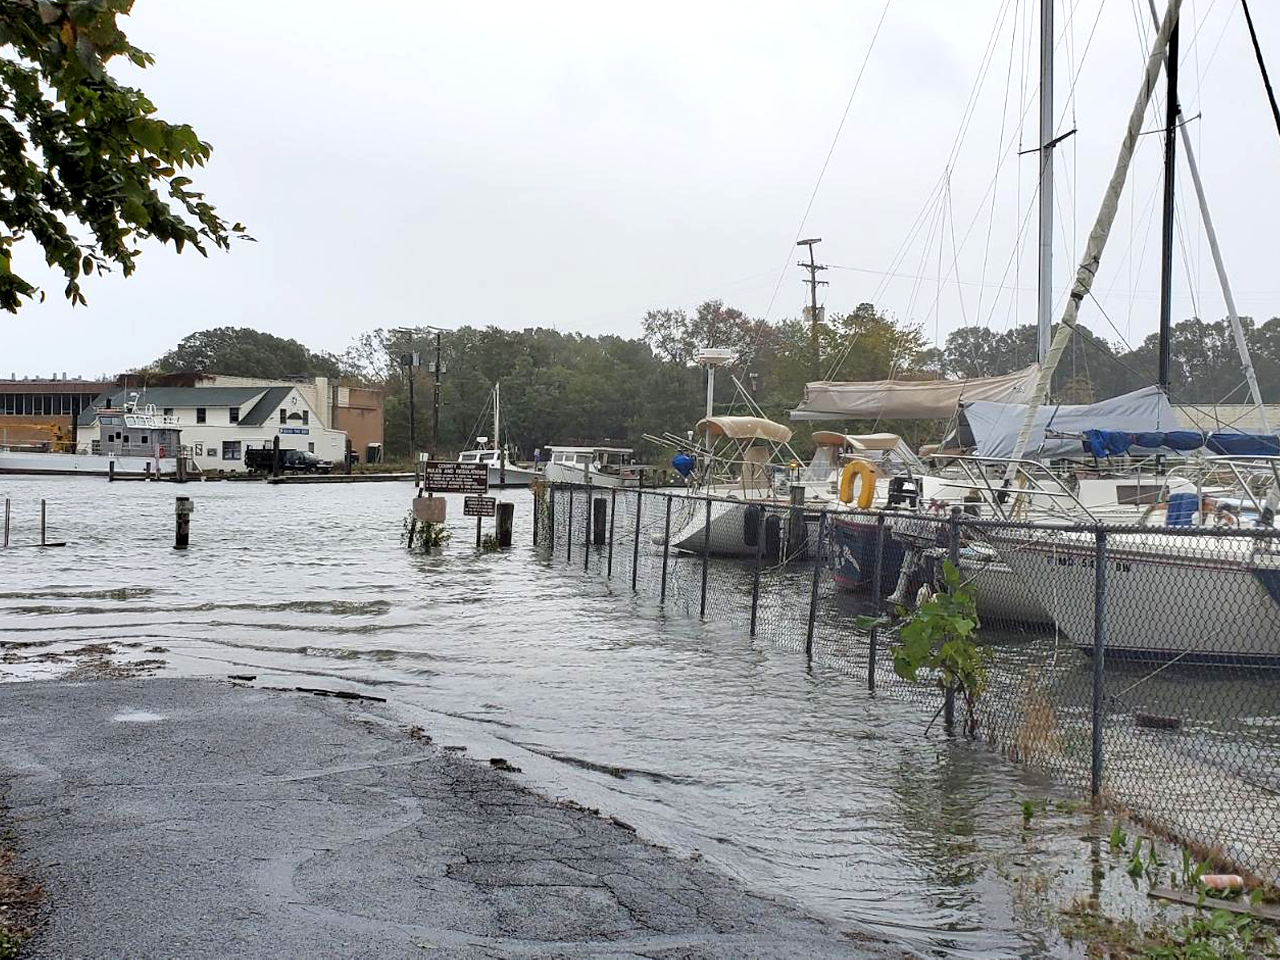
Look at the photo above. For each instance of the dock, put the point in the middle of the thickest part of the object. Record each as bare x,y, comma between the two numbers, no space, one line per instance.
343,478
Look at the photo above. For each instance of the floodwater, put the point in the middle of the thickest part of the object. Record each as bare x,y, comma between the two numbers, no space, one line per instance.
794,779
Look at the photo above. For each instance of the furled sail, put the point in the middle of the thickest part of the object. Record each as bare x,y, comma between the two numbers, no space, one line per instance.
907,399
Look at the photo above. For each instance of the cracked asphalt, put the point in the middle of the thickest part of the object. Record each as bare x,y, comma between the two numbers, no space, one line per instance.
183,818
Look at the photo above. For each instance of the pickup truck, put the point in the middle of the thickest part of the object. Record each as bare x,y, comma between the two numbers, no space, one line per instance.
258,460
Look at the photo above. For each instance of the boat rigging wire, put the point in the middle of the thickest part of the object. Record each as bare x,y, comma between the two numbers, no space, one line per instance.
830,152
1262,66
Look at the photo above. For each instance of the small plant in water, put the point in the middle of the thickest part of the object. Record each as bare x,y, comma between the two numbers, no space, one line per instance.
1117,839
939,637
423,537
489,544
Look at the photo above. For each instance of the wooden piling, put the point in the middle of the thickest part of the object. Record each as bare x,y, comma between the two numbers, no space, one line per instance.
506,522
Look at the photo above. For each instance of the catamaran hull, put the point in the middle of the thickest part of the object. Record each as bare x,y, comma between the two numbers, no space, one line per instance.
1162,604
82,464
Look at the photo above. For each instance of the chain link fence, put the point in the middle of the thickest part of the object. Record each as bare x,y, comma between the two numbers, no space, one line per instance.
1137,664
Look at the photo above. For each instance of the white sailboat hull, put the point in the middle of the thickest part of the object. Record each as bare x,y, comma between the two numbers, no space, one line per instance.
574,473
1213,600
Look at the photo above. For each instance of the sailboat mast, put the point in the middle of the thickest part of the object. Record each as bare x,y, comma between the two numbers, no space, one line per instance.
1211,234
1044,304
1166,234
1092,257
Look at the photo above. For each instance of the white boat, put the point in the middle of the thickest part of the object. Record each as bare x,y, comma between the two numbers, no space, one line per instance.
502,472
1191,599
133,442
597,466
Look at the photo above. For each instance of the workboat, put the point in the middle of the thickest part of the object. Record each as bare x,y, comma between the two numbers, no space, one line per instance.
133,441
597,466
503,471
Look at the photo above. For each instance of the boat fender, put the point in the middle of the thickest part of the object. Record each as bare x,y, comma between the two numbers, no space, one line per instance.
751,526
772,535
866,491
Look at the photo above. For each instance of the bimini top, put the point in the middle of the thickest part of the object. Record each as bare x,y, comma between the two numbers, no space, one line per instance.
743,428
590,449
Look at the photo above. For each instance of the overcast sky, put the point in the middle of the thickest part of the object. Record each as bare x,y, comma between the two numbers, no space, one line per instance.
576,164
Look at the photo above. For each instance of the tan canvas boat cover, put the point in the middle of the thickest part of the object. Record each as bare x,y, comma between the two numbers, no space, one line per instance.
744,428
907,399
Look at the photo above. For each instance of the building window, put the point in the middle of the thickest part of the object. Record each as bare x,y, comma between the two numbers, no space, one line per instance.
311,447
200,415
199,448
168,411
305,416
284,415
231,450
145,439
212,451
234,414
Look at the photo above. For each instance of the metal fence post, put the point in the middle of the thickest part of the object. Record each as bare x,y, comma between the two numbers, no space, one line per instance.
953,535
586,533
613,510
42,522
1099,655
568,537
755,574
666,550
537,513
876,573
551,516
635,546
813,594
706,554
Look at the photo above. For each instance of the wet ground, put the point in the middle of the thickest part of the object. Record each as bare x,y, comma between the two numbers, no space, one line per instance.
793,779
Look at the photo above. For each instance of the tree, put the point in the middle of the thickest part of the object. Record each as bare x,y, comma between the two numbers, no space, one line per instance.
79,151
243,352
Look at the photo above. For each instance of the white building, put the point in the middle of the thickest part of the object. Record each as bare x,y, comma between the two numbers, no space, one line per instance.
219,423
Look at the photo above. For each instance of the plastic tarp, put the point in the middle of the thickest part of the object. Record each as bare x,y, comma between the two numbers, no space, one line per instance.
1057,429
907,399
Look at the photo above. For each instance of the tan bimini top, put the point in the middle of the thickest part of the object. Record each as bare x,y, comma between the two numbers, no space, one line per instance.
743,428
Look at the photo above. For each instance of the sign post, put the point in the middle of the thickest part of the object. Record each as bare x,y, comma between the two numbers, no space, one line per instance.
448,476
479,507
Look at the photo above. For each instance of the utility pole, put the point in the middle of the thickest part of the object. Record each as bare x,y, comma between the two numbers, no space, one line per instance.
435,403
1166,237
814,316
409,361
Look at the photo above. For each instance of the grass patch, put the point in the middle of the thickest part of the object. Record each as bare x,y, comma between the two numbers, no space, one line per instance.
19,899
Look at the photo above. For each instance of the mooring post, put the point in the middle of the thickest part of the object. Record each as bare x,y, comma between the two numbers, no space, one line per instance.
111,471
568,538
813,593
275,455
42,522
635,545
537,513
182,522
599,507
755,573
479,531
6,521
953,537
506,522
613,513
1099,655
876,574
706,555
147,471
666,550
586,533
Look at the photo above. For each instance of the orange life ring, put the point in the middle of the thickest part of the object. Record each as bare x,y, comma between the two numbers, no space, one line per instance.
161,454
866,491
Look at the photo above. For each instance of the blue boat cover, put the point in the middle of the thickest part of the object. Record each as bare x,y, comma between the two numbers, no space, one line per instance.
1110,443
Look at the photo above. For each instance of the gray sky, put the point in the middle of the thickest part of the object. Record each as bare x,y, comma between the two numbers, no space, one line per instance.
575,164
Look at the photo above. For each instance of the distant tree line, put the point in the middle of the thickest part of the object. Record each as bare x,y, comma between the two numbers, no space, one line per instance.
569,388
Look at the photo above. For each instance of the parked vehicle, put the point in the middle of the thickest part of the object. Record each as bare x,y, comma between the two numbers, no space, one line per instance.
259,460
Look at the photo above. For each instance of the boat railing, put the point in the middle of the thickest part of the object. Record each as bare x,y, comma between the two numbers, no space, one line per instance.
1033,487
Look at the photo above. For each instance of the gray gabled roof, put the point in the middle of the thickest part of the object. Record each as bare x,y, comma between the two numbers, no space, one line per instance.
265,408
162,397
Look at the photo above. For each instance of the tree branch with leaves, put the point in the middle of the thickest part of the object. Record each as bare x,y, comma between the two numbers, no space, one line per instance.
86,168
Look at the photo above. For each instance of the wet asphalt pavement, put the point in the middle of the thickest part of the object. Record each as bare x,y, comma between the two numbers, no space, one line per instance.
183,818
